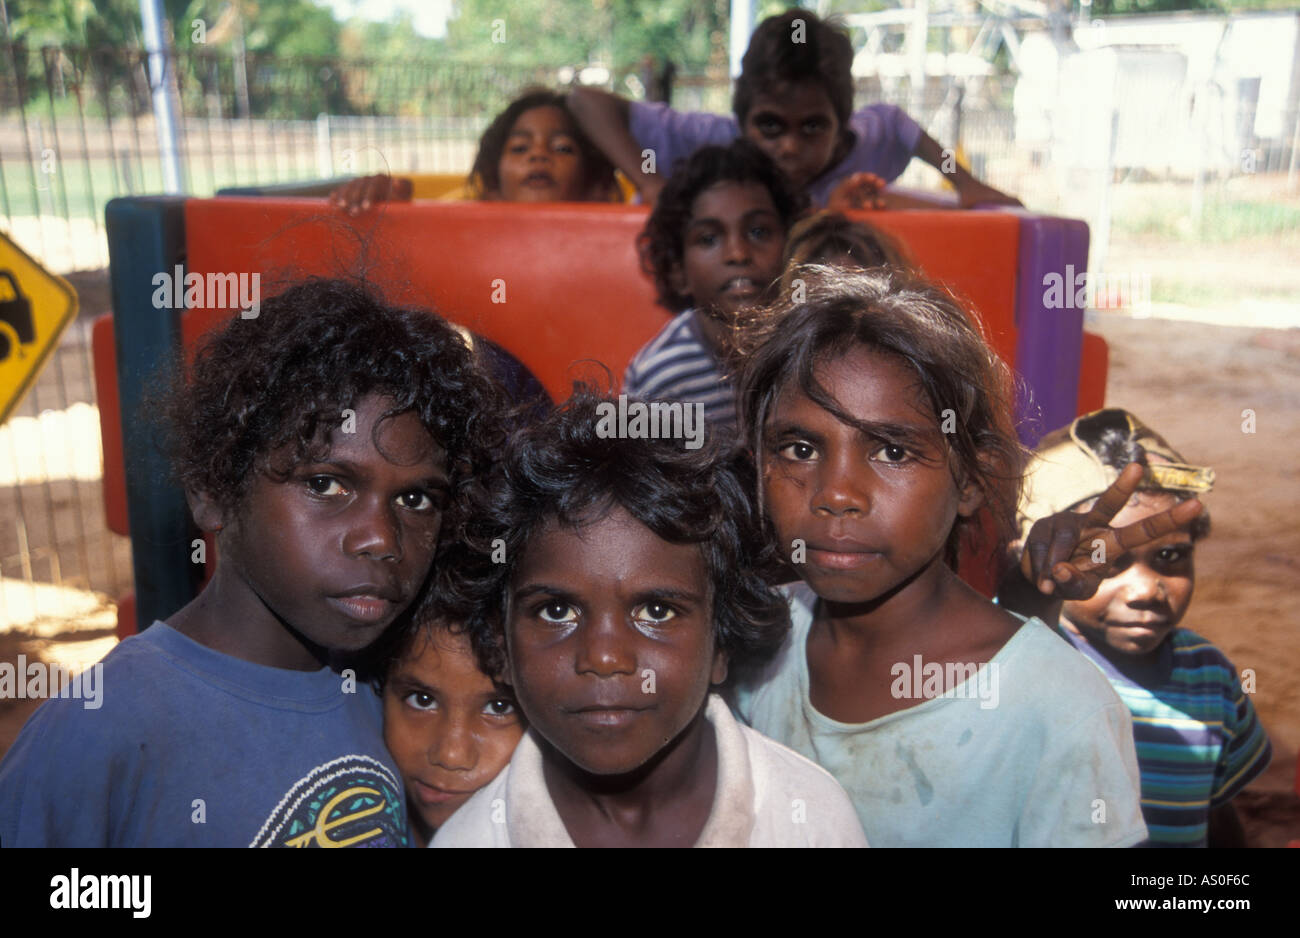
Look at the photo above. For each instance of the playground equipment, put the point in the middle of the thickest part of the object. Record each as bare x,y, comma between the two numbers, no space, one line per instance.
555,284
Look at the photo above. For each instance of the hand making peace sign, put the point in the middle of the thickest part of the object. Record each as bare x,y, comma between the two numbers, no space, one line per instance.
1061,555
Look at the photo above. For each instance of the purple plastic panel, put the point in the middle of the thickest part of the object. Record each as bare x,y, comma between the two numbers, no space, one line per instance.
1053,258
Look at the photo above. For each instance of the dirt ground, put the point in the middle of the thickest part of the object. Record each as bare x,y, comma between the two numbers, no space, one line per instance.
1193,383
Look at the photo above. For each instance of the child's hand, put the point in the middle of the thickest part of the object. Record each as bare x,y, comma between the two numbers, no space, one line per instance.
859,191
649,187
971,192
1068,554
357,195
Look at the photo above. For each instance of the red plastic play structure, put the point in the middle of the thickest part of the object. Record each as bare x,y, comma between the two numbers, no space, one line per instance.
559,284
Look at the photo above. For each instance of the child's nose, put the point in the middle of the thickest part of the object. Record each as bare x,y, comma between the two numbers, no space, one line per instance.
840,490
787,146
375,532
604,648
1143,586
454,748
738,249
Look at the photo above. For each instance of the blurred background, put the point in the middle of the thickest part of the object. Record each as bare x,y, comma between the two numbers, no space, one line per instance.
1171,126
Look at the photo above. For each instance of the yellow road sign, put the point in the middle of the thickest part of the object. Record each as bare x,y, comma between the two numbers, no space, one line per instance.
35,305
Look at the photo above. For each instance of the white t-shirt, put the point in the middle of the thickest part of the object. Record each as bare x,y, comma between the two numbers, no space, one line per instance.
1036,752
767,796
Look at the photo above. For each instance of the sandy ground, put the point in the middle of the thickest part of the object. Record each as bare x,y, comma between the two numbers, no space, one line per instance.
1192,383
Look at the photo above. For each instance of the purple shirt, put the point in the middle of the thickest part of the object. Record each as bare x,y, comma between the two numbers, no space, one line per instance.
884,139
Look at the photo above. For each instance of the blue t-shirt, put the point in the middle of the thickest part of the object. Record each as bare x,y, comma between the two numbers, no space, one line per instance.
191,747
884,139
1198,739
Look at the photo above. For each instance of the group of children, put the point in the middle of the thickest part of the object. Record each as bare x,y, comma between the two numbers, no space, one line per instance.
572,639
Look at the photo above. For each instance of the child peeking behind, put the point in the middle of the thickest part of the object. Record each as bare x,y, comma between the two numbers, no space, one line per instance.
794,99
531,152
449,726
713,245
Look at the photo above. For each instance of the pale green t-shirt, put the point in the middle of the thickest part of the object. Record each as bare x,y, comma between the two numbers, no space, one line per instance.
1035,749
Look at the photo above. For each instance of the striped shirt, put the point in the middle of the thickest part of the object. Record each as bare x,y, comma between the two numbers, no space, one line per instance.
1198,739
677,365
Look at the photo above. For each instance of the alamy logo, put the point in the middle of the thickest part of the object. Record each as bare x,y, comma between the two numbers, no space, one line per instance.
651,420
1083,289
37,680
180,290
75,891
925,681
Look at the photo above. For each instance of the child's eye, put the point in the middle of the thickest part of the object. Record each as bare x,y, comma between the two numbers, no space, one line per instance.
558,612
769,128
706,240
814,127
760,232
1173,555
419,700
654,612
564,146
325,485
798,451
417,501
499,708
892,453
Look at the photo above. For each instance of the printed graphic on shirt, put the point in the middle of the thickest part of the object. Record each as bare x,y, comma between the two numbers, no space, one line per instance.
354,801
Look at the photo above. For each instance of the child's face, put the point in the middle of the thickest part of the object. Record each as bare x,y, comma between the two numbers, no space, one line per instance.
610,634
871,510
732,248
1141,605
449,728
541,161
340,547
796,126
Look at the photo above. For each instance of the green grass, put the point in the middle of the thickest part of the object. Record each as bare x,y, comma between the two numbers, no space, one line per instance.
1204,294
1222,220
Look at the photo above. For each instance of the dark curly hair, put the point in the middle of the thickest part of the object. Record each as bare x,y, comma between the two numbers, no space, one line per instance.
916,322
285,377
662,243
485,176
405,637
773,59
563,469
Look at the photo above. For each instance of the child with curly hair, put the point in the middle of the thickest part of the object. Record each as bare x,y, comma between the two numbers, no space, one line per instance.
532,152
713,245
321,443
628,583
